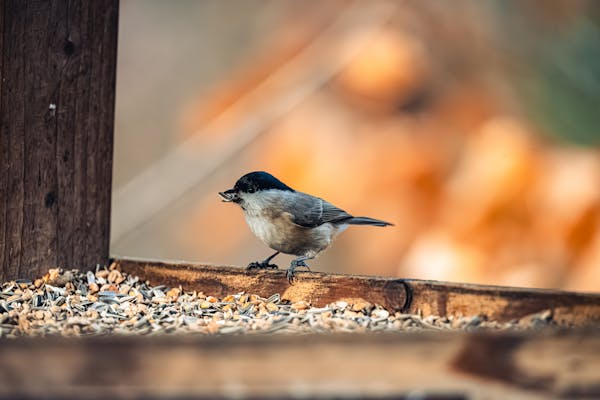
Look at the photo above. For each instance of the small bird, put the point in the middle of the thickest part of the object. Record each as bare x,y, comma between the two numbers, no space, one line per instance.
289,221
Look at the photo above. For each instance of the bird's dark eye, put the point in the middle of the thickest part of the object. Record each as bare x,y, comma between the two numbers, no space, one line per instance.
251,190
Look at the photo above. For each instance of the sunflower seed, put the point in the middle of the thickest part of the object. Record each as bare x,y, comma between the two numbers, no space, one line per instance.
74,305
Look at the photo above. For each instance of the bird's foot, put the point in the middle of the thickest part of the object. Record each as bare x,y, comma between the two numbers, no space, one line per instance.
290,274
261,265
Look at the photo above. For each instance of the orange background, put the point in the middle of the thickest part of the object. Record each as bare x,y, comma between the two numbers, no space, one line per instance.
468,124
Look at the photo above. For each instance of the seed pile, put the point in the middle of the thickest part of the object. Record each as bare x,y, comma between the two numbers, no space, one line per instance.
72,303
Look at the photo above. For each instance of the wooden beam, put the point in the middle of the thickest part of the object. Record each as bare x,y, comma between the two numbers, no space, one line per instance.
406,295
442,366
56,133
317,288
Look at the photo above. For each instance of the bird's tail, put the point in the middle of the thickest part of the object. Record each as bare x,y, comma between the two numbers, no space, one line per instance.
366,221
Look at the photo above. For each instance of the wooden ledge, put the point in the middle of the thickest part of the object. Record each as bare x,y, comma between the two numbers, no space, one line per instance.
453,365
405,295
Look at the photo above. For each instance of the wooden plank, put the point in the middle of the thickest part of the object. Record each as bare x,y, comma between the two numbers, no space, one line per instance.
406,295
503,303
56,133
317,288
449,366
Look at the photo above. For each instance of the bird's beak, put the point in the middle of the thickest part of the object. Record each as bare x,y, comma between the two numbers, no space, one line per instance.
229,195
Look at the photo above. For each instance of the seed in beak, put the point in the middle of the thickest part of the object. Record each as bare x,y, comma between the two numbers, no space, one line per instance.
228,195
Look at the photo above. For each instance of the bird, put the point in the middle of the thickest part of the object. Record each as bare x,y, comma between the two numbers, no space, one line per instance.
289,221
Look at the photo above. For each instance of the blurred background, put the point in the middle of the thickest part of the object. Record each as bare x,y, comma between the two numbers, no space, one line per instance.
472,125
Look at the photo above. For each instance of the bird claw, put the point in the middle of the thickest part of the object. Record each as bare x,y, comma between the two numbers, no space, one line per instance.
290,274
261,265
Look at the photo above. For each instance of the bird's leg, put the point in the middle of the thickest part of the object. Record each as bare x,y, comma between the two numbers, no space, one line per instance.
298,262
263,264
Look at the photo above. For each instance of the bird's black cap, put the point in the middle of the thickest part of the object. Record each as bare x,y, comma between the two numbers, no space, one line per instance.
259,180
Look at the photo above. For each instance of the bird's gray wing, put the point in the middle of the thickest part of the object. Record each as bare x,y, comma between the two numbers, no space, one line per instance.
309,211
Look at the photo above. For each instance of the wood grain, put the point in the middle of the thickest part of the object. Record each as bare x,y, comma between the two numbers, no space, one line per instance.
503,303
444,366
56,133
317,288
406,295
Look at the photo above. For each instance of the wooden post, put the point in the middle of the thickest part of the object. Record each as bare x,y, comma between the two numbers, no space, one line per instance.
57,91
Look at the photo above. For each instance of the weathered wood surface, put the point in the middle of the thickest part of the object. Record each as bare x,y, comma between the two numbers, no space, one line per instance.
406,295
451,366
317,288
57,89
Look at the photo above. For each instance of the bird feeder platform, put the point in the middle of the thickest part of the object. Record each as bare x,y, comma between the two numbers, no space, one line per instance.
446,340
145,329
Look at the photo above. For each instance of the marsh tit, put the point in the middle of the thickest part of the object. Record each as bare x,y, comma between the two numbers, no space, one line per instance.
288,221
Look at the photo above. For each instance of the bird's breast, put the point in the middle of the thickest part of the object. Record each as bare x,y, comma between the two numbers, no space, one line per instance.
265,229
281,234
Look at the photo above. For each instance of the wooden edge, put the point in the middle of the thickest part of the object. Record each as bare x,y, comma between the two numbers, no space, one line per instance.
405,295
454,365
503,303
317,288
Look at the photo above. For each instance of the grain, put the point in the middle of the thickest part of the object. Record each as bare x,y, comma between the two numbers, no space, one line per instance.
111,302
